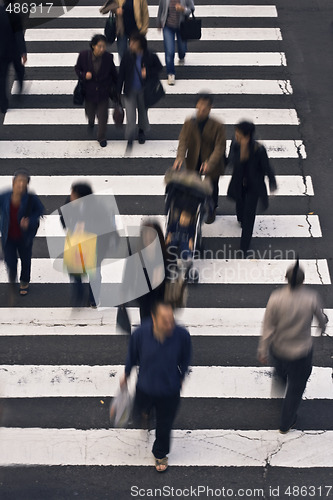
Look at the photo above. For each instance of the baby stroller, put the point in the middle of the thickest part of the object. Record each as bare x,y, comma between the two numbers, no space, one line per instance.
187,204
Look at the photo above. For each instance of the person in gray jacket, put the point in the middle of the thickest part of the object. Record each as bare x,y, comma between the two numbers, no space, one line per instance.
170,14
286,336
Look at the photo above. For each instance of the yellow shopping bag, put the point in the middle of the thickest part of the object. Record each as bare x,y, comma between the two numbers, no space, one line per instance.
80,252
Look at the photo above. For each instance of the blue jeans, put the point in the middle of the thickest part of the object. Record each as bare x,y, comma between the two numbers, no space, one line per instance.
169,35
11,249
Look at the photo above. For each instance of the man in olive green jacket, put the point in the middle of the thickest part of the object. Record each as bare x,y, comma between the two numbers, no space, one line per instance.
202,145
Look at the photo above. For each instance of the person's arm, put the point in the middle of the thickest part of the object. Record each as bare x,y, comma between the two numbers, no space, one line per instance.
144,17
159,14
80,70
189,7
114,73
121,75
320,315
268,331
186,355
218,152
268,169
182,146
109,7
37,211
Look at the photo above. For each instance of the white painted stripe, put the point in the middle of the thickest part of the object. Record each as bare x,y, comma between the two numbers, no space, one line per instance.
208,34
37,60
117,149
211,271
267,87
200,11
138,185
226,322
190,448
226,226
44,381
157,116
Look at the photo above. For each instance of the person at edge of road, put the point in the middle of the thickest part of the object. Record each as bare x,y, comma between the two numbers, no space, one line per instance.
131,16
247,186
137,66
162,350
20,213
202,141
170,14
12,50
286,335
96,68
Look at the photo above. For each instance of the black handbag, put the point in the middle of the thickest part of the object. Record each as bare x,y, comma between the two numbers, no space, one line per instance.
118,114
110,30
153,91
190,28
79,93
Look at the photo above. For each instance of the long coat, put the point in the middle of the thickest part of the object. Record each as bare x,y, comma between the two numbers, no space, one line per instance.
98,88
210,145
127,67
141,15
258,167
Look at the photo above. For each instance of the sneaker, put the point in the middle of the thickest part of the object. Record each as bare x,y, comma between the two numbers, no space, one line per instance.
103,144
142,137
171,79
181,62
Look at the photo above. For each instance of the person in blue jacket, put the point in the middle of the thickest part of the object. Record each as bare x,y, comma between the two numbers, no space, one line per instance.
20,212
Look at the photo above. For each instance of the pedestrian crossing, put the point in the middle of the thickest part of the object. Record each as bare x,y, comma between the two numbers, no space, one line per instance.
55,357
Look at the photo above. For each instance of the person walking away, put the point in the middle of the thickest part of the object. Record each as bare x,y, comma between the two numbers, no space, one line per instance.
170,14
162,350
137,66
247,186
286,335
98,72
20,213
202,142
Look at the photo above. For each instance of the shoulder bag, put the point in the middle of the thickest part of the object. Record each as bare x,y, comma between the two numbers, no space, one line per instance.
190,28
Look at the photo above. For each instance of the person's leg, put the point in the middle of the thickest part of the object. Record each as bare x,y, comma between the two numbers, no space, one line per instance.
4,67
169,49
215,194
298,373
143,121
142,408
182,46
77,294
249,215
25,254
121,45
19,69
130,106
102,116
166,408
10,258
90,109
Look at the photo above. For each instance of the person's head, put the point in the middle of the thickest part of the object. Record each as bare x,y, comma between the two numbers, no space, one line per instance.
244,132
185,218
21,180
295,275
204,103
79,190
137,43
163,318
98,45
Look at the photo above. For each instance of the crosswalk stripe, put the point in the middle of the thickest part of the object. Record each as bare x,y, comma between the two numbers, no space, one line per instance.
117,149
90,12
37,60
43,381
212,271
266,226
208,34
233,321
268,87
157,116
191,448
122,185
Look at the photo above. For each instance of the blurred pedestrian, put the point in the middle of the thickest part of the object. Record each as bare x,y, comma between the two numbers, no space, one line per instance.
247,186
286,335
202,145
12,50
162,350
170,14
137,67
20,213
96,69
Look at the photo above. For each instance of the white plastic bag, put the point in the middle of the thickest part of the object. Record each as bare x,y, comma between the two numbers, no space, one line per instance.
121,408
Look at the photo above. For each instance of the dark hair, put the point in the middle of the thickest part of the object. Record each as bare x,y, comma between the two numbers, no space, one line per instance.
23,172
295,275
81,189
139,37
157,303
247,128
95,39
205,96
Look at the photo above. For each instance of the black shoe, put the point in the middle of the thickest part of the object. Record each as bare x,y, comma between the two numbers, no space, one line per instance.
4,109
285,431
211,217
129,146
142,137
103,144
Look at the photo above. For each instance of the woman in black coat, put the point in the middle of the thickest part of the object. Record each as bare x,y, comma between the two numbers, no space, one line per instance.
247,186
96,68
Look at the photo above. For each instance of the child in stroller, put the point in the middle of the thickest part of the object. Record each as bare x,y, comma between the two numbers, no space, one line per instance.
181,234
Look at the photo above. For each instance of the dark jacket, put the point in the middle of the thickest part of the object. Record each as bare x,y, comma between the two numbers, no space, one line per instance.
127,67
258,167
162,366
34,212
98,88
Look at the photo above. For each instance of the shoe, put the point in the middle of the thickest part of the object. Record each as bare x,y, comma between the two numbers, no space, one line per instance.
171,79
181,62
285,431
103,144
211,217
142,137
161,464
24,289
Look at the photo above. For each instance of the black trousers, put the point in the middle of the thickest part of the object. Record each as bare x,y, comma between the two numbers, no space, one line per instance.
11,250
246,207
295,374
165,410
4,66
215,194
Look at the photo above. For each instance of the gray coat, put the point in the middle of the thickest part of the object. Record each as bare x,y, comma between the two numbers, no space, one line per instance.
163,9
